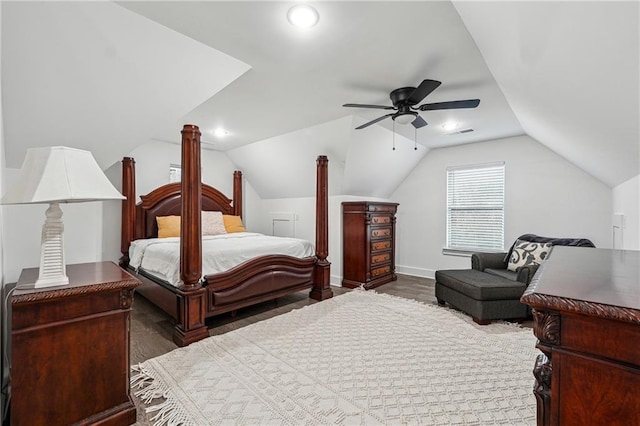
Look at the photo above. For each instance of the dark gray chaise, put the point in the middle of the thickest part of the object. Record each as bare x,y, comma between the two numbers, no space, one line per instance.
489,290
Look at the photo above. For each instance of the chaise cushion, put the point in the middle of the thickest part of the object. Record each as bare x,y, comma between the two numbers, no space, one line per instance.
504,273
480,285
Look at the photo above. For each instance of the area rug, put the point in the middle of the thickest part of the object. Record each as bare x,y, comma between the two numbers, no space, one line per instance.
360,358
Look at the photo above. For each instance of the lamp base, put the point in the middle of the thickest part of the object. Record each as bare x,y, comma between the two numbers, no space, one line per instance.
53,271
51,281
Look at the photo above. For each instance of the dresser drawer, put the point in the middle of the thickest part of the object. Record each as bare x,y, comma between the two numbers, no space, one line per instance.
381,232
383,208
380,219
380,245
383,270
380,258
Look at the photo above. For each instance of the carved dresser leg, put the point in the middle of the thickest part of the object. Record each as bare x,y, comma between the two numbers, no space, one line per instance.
546,327
542,389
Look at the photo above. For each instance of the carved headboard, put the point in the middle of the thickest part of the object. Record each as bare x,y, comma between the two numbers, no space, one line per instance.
166,201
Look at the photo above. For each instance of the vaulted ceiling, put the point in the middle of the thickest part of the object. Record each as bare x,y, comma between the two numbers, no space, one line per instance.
111,76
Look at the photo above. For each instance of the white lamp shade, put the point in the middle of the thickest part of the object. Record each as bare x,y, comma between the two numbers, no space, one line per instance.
60,174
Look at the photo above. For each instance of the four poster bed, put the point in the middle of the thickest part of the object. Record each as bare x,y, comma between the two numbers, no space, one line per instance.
194,298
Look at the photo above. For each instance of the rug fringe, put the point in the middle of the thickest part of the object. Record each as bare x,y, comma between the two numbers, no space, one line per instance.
169,412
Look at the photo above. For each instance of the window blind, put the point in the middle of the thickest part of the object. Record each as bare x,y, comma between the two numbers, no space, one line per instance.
475,207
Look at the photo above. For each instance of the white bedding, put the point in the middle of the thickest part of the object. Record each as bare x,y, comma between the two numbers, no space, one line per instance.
161,256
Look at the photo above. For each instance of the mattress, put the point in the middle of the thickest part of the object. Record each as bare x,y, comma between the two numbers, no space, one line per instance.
161,256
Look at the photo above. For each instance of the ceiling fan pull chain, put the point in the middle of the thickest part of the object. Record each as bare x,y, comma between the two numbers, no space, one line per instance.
394,135
415,139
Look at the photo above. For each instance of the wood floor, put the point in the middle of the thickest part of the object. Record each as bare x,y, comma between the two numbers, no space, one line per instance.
151,329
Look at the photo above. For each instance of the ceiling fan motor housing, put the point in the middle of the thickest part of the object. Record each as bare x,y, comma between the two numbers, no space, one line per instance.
399,97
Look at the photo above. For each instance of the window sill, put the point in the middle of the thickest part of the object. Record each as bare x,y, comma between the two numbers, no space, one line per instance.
466,252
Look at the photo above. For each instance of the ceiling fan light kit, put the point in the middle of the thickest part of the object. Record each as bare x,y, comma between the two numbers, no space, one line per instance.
404,102
404,118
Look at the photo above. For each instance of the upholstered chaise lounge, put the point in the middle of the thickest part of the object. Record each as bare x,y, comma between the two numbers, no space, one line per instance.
491,289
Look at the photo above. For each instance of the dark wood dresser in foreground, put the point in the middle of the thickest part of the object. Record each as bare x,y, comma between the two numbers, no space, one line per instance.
70,348
368,243
586,309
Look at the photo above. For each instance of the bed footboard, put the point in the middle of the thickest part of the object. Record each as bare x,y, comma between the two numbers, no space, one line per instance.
258,280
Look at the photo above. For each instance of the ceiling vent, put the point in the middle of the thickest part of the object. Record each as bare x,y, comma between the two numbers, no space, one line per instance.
460,132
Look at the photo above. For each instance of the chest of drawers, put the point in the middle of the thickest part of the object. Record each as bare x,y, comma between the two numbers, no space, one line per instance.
368,243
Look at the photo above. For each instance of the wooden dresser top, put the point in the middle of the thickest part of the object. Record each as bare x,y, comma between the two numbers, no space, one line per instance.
590,281
83,278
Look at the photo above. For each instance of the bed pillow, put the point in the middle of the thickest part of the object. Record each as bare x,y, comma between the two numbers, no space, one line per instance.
168,226
527,253
233,223
212,223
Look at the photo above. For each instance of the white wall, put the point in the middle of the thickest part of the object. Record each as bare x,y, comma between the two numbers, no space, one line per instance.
153,160
626,202
545,195
4,369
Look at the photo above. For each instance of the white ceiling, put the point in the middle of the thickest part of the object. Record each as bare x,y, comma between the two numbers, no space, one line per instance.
358,53
570,71
107,79
93,76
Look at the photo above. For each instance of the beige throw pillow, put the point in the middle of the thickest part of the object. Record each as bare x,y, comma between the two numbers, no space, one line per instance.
212,223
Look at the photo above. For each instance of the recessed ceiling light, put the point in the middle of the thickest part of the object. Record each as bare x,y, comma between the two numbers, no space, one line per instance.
450,125
303,16
220,132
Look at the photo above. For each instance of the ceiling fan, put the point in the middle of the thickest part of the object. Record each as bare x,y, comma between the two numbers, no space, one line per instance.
404,102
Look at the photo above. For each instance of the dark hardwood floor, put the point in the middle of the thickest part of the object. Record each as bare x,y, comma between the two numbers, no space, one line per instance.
151,329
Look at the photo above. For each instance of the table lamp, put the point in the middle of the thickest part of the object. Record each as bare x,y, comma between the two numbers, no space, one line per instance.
55,175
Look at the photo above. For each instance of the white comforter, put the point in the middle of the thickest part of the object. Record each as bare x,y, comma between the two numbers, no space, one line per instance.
161,256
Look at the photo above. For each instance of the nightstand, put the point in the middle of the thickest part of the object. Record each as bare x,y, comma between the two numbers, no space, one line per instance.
70,348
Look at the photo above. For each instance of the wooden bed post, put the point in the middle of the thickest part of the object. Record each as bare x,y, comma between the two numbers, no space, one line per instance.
237,193
322,270
191,300
128,208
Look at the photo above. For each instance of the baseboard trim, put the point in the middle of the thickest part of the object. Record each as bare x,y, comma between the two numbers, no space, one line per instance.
406,270
416,272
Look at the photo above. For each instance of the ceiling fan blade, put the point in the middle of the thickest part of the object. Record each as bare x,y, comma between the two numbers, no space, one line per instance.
373,121
469,103
368,106
419,122
421,92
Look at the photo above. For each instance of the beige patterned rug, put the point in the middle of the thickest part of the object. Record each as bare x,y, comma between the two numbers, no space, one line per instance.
361,358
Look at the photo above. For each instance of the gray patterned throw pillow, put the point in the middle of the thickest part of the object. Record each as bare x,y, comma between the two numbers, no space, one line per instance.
527,253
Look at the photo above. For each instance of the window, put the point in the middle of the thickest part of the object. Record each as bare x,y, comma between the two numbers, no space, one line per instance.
475,207
175,173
